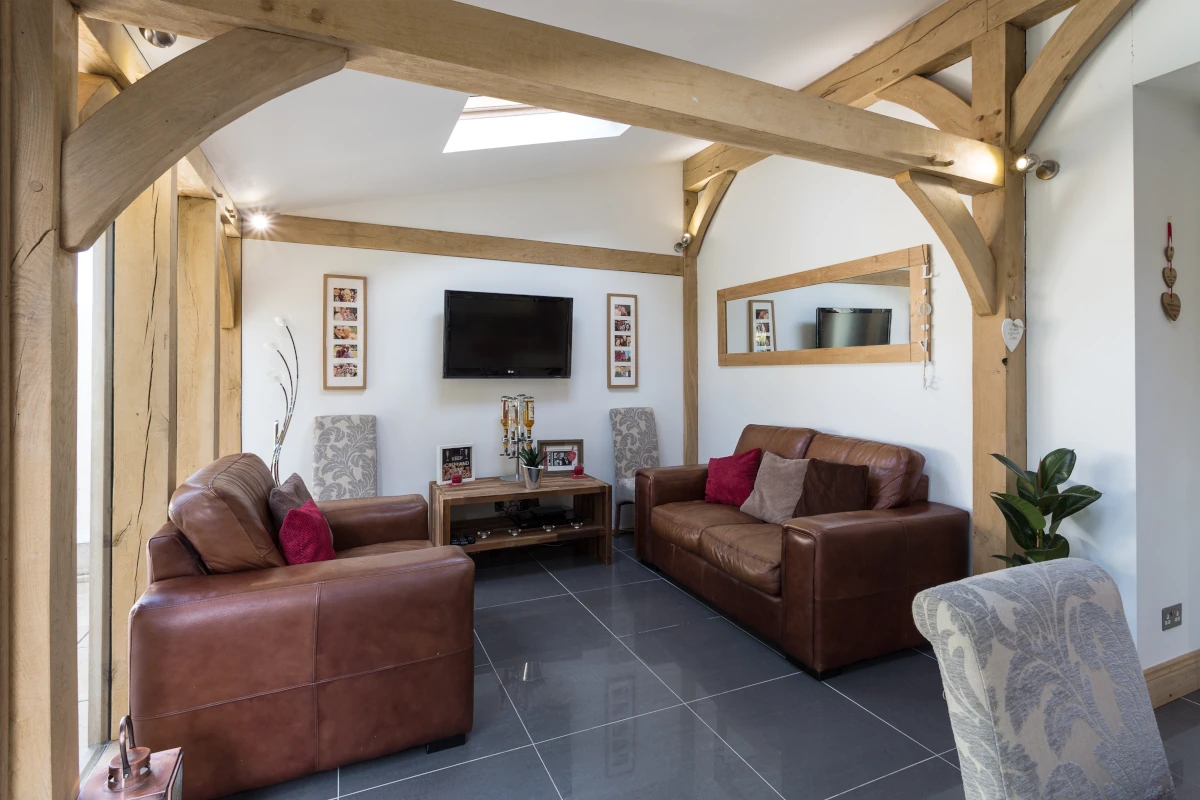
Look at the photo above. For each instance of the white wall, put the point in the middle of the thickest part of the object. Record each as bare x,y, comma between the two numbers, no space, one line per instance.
418,410
782,216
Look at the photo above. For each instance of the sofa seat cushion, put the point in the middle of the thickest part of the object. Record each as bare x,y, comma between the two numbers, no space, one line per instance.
681,523
383,548
749,553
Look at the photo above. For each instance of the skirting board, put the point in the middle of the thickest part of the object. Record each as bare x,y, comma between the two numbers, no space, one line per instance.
1173,679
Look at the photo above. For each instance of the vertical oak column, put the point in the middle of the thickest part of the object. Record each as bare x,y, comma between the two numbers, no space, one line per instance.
998,377
229,436
197,337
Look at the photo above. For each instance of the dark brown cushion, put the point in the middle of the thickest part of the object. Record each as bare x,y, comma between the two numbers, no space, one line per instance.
777,489
894,470
222,510
831,488
287,496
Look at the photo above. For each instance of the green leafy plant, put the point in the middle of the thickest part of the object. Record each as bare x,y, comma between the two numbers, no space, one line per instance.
531,458
1037,509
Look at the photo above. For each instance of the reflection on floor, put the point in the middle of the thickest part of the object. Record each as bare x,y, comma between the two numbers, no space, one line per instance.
610,682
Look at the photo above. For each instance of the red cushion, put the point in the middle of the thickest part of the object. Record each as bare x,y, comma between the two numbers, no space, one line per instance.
305,536
731,479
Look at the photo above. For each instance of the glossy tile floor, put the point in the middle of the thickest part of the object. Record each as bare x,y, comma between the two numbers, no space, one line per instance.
611,682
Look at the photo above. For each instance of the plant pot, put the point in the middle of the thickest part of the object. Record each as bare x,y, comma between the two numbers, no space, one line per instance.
532,476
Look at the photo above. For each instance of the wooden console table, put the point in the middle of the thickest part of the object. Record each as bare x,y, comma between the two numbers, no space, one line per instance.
593,504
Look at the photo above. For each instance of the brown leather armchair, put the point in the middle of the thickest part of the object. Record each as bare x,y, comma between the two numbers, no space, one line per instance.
830,590
265,675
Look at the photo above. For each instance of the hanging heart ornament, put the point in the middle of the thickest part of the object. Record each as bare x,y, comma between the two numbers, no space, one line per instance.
1171,304
1169,276
1012,330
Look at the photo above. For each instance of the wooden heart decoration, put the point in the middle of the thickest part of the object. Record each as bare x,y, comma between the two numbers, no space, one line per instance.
1169,276
1170,253
1172,305
1012,330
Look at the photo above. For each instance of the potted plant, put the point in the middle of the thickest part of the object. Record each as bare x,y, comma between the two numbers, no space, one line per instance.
1037,509
531,467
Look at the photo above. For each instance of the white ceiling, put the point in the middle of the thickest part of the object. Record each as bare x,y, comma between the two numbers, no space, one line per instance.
354,136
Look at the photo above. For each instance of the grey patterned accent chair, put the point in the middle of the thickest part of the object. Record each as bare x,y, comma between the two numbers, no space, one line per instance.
635,446
1046,694
344,457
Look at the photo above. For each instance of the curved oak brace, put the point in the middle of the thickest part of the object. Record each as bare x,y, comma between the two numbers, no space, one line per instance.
117,153
706,208
956,228
934,102
1084,28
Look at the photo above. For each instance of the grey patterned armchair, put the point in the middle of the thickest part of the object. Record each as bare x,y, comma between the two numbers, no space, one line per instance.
344,457
1046,694
635,446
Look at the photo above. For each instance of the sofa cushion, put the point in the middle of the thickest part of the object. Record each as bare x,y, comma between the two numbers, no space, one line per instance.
288,495
681,523
383,548
783,442
749,553
304,536
222,510
893,471
731,479
831,488
777,488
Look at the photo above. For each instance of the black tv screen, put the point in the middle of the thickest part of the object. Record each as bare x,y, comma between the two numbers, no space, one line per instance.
506,336
853,327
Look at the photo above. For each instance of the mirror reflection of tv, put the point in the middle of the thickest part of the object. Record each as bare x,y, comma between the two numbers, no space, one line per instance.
489,335
853,327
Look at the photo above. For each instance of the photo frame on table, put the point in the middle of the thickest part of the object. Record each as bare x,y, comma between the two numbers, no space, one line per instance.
621,341
562,455
344,332
762,326
451,457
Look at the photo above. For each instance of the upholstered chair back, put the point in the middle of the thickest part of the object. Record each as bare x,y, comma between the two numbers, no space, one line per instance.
635,440
1046,694
344,457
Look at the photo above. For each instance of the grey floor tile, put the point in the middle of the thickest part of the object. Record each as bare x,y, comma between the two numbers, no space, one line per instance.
513,583
707,657
930,780
623,541
1193,697
1179,725
321,786
509,776
806,739
574,688
952,757
481,659
905,690
496,730
525,630
505,557
580,572
643,607
1185,790
667,755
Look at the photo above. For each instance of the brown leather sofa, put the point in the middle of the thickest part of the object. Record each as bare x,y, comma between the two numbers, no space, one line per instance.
830,589
270,674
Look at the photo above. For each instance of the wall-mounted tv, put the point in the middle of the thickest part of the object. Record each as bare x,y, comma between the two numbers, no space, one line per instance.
490,335
853,327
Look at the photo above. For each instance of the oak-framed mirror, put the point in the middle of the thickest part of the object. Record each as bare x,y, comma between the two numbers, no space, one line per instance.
872,310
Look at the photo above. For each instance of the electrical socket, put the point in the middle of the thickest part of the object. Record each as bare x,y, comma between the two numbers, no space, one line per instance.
1172,616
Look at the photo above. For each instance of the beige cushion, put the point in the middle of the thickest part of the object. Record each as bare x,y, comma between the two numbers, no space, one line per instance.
287,496
776,489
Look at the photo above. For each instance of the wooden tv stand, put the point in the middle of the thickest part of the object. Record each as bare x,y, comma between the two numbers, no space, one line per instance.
593,503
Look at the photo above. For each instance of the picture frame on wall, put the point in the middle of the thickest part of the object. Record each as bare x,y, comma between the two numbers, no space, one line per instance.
344,337
451,457
762,326
562,455
621,341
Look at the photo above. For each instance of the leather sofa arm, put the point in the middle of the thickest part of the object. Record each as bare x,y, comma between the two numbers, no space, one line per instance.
361,521
200,641
657,487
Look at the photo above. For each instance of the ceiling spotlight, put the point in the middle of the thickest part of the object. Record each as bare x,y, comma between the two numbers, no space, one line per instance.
1029,162
158,38
682,244
260,222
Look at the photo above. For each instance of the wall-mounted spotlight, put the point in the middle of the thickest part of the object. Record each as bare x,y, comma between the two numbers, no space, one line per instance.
682,244
158,38
1029,162
260,222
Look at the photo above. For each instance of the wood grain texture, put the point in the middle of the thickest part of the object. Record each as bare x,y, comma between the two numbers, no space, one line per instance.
171,111
951,220
37,38
1173,679
197,335
367,236
229,436
144,388
898,259
997,376
873,354
464,48
934,102
94,92
1024,13
1069,46
706,209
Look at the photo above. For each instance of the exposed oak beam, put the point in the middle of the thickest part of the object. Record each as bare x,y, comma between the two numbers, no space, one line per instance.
1063,55
1024,14
94,92
466,48
367,236
706,209
950,218
171,111
934,102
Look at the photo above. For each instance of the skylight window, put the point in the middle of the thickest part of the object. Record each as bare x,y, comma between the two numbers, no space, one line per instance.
488,122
